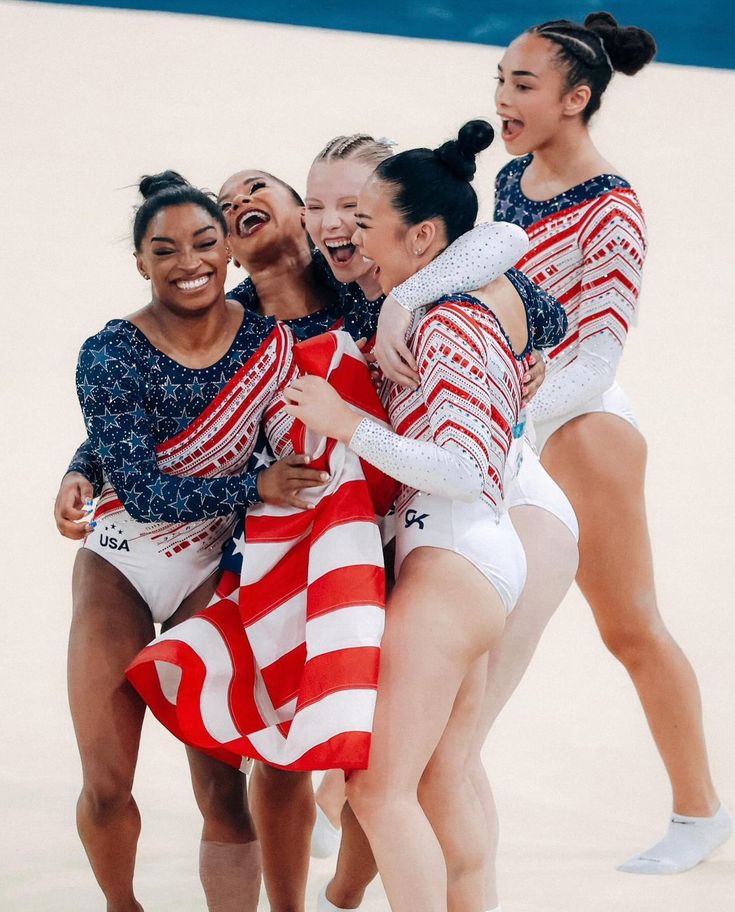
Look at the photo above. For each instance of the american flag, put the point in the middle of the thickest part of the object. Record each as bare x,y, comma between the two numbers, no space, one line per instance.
283,665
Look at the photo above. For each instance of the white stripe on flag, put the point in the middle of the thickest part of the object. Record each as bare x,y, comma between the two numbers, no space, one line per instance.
339,712
169,678
206,640
346,545
279,631
345,628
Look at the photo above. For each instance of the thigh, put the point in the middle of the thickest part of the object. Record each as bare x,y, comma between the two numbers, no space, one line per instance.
110,625
599,461
441,616
194,602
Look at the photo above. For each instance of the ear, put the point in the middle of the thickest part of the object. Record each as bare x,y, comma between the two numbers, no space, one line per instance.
576,100
302,213
139,264
421,237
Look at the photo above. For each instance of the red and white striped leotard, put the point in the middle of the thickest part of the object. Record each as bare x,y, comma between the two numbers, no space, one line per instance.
451,440
587,250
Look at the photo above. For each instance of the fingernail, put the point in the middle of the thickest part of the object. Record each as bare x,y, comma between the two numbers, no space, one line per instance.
311,506
88,503
307,458
324,476
93,523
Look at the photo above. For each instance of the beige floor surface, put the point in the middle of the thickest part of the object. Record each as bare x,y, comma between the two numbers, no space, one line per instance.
91,100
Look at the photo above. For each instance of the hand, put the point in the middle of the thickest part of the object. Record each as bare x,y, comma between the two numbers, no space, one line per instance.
534,376
321,408
393,355
279,483
75,493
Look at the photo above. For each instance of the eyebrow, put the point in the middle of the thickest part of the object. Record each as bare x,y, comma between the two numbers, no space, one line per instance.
520,72
169,240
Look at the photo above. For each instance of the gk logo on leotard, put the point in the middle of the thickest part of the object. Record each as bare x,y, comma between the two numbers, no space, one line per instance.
413,517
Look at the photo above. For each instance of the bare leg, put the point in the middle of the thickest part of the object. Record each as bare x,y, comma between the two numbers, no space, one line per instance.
551,561
283,808
330,795
110,624
429,645
356,867
447,795
599,461
229,859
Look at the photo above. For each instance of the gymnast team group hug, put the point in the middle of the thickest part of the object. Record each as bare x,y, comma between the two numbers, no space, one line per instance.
353,490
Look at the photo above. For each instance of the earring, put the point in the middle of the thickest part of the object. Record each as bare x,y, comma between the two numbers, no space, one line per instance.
146,276
418,253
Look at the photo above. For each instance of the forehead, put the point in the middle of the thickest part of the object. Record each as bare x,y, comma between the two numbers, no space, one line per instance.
183,220
529,52
338,177
237,181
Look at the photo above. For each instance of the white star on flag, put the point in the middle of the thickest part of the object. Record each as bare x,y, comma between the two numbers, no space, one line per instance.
263,458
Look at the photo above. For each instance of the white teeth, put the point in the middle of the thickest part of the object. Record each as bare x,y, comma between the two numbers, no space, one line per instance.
249,219
191,284
335,245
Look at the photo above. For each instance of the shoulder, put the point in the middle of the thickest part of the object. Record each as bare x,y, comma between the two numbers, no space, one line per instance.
244,294
618,207
455,321
115,340
512,171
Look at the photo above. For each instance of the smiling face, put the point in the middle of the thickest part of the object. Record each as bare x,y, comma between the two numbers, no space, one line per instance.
260,212
184,252
332,190
532,98
396,249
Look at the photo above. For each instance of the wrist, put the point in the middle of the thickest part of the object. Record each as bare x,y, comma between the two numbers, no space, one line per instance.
348,424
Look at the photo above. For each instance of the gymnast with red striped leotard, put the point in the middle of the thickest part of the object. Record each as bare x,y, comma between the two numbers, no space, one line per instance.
453,590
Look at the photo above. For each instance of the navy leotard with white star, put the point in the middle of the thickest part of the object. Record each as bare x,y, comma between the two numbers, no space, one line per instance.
134,397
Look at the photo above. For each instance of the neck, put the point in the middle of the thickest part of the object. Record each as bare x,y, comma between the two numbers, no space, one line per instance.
570,154
183,332
285,285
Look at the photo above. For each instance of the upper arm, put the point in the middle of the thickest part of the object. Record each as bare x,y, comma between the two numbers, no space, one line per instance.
613,247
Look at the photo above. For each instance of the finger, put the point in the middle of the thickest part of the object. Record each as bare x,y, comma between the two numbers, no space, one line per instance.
308,477
71,514
371,358
297,459
72,530
407,355
361,343
295,501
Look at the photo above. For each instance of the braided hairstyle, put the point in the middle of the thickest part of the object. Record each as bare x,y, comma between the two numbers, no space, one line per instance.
359,146
592,52
437,183
169,188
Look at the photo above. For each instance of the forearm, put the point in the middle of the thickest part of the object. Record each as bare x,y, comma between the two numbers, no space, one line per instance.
472,261
86,462
419,464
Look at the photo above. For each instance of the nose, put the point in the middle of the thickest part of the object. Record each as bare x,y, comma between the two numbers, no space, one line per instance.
331,219
356,238
500,91
190,259
240,200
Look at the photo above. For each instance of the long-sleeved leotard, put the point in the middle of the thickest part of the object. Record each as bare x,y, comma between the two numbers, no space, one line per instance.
453,433
473,260
587,249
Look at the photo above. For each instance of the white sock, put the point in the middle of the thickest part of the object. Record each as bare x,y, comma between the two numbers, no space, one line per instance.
688,841
324,905
325,838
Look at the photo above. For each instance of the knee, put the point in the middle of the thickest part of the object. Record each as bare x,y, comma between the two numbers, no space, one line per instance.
636,644
224,804
367,799
104,798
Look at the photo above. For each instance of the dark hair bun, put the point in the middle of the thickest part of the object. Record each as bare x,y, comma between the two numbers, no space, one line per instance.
151,184
629,49
459,154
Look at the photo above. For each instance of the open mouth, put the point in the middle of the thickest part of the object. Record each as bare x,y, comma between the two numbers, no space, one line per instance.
512,128
251,221
340,250
193,284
